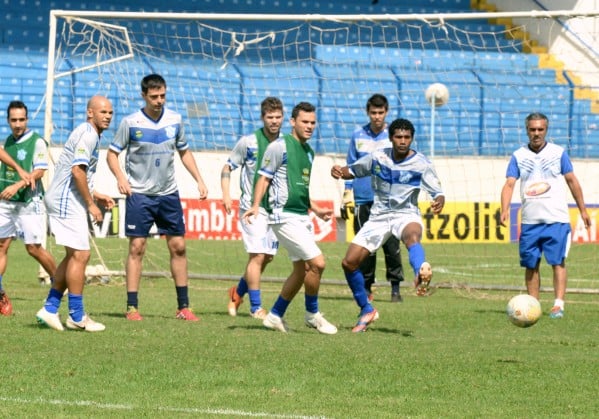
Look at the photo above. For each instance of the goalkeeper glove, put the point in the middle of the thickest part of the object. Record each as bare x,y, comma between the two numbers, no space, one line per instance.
347,204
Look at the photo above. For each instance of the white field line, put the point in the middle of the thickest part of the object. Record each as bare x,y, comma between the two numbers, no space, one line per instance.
192,410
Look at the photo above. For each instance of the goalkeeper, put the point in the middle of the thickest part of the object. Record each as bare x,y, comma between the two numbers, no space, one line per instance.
358,196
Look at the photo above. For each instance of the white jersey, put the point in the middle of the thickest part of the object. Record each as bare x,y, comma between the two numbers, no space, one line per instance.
396,184
82,148
151,146
542,186
245,155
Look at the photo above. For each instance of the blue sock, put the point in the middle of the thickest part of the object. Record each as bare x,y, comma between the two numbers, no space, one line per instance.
76,307
280,306
1,289
311,303
355,280
242,287
416,257
53,301
132,299
255,300
182,297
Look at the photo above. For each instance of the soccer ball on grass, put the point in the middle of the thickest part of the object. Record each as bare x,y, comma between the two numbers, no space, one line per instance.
523,310
439,91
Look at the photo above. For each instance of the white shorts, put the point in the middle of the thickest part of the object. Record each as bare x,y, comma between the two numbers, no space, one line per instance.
26,221
70,232
375,232
296,235
258,237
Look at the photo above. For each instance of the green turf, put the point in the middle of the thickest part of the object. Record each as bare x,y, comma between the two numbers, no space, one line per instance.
453,354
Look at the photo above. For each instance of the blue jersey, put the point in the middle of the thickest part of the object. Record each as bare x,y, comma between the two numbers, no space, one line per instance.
364,141
397,184
542,187
151,146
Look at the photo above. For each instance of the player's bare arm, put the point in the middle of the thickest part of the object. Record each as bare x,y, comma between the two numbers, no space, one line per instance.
225,183
260,188
112,159
189,163
506,198
339,172
577,194
80,179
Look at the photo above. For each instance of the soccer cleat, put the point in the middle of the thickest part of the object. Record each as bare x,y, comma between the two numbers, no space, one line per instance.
259,314
52,320
86,324
556,313
186,314
396,297
5,305
133,314
365,320
272,321
234,301
423,280
318,322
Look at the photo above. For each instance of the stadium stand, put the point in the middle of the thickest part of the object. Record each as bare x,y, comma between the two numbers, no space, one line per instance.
482,118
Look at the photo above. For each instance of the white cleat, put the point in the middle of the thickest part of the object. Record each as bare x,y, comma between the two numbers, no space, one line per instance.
86,324
318,322
52,320
272,321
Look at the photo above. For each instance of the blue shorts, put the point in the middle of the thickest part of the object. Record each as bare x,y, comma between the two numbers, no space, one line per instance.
145,210
553,240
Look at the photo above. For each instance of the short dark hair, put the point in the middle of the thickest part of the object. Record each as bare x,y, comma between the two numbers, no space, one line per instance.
401,124
377,101
271,104
534,117
302,106
16,104
152,81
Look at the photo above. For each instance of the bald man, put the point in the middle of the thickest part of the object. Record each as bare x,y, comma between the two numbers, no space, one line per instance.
70,200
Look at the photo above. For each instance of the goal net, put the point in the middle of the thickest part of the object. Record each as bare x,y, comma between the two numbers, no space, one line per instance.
497,67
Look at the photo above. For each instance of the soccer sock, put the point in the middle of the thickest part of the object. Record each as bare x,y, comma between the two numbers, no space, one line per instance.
416,257
355,281
242,287
76,307
280,306
1,289
394,287
132,299
182,297
311,303
255,300
559,303
53,301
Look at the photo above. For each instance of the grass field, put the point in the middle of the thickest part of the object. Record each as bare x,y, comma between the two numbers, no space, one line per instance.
453,354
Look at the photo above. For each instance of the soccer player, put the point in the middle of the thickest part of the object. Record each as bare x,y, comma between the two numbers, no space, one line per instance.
258,238
22,210
150,137
69,200
545,225
358,195
284,179
398,173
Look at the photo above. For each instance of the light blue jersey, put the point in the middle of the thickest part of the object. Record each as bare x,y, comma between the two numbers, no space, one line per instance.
82,148
542,186
151,146
364,141
396,184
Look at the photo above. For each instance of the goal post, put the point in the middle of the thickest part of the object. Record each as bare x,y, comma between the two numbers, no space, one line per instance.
497,67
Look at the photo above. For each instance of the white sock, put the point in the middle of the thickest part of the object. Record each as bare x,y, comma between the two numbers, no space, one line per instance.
559,303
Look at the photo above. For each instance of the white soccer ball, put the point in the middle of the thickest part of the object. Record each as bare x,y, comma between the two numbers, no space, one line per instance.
524,310
439,91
